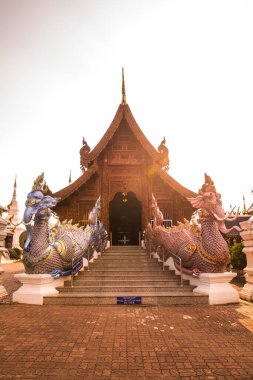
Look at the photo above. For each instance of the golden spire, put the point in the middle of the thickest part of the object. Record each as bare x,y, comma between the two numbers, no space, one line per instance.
244,211
123,89
15,186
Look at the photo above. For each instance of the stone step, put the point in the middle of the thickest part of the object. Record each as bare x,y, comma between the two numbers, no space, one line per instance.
120,282
125,277
117,256
132,261
125,289
147,299
116,249
124,247
126,257
120,270
130,265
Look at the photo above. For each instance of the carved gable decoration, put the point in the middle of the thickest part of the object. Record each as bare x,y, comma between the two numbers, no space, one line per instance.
123,117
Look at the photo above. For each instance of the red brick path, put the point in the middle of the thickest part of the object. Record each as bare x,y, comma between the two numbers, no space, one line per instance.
122,342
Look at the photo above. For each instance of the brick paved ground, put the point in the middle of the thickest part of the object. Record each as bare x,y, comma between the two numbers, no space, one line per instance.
79,342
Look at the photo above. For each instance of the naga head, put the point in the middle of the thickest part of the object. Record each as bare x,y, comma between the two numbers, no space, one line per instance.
38,206
210,205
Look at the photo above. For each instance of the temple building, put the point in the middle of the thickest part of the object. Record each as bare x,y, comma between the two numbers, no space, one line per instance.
125,170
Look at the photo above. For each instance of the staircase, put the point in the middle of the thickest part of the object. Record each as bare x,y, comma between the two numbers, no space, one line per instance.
126,275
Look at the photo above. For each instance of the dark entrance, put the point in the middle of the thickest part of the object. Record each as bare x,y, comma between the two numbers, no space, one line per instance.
125,219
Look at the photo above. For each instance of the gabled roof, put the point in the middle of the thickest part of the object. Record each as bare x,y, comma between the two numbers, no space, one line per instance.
123,112
88,157
70,189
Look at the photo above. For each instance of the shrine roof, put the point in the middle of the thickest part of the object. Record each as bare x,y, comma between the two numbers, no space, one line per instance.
175,185
236,222
123,112
3,208
70,189
88,157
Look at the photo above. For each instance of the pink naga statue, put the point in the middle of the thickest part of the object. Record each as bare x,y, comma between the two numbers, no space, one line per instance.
199,244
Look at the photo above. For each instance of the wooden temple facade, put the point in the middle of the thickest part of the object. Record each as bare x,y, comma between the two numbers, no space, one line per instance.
125,170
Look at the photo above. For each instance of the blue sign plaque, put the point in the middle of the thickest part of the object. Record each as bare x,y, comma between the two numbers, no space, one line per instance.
129,300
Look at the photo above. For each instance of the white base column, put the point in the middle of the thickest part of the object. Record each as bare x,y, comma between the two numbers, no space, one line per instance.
247,291
217,287
35,287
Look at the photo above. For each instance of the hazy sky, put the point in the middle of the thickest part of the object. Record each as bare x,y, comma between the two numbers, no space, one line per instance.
188,73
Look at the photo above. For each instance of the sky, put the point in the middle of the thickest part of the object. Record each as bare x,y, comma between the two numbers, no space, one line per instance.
188,73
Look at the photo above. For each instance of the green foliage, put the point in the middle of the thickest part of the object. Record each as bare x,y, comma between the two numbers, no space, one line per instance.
15,253
238,258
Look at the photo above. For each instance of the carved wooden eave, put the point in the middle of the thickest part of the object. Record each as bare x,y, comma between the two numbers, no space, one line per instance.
175,185
74,186
123,112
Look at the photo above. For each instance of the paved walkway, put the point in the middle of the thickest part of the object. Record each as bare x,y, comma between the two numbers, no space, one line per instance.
122,342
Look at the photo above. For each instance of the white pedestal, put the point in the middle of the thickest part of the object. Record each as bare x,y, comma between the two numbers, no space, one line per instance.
35,287
3,291
218,288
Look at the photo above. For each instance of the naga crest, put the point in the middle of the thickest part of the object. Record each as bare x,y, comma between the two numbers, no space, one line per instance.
40,184
84,155
164,152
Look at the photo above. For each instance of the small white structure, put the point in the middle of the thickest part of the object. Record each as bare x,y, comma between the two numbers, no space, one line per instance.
13,217
35,287
247,235
217,286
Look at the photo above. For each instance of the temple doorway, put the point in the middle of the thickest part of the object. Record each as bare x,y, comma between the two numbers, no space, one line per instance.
125,219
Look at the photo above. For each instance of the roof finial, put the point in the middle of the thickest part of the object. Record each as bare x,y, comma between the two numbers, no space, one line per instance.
15,186
123,89
244,211
70,179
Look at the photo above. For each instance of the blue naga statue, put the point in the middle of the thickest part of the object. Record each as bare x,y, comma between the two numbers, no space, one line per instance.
58,251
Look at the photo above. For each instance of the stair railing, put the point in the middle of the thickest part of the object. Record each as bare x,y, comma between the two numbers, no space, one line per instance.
110,239
179,262
74,266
